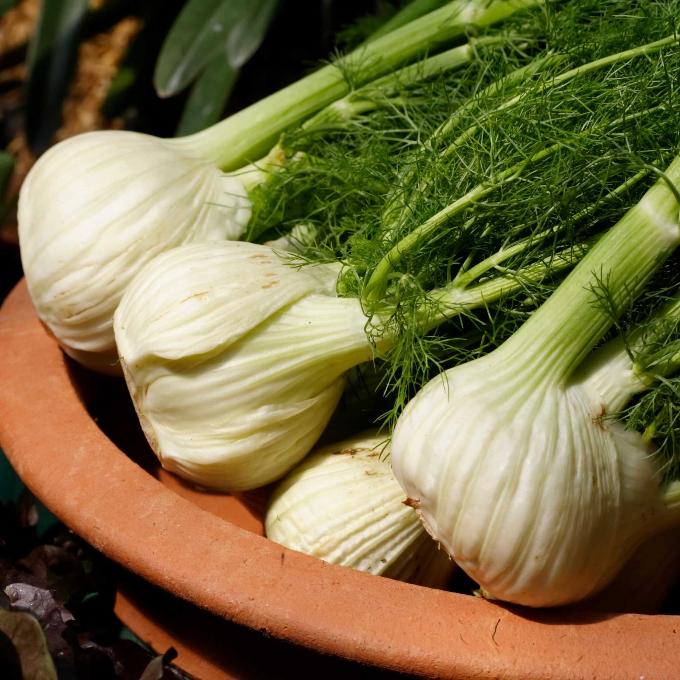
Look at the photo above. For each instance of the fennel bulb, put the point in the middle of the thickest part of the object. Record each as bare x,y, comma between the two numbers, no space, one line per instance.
235,360
99,206
508,458
343,505
527,490
95,209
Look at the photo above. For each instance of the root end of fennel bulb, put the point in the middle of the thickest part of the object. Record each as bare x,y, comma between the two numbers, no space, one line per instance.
95,208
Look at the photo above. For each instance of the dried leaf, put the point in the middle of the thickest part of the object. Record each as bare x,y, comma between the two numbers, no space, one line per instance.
50,614
24,631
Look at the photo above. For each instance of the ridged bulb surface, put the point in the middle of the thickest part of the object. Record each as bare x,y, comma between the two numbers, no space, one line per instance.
343,505
235,360
95,208
533,493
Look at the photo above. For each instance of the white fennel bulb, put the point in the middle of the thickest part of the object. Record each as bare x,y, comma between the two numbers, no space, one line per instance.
509,458
532,493
343,505
97,207
235,360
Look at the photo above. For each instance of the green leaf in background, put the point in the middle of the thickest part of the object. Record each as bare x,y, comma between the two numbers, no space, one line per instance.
205,28
208,96
246,34
52,54
119,89
6,167
211,90
7,204
195,38
7,5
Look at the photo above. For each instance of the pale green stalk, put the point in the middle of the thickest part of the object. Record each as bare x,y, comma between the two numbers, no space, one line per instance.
412,11
564,330
616,372
246,135
622,188
464,278
364,99
459,296
469,272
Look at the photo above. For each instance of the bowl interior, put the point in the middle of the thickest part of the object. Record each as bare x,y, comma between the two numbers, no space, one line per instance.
107,401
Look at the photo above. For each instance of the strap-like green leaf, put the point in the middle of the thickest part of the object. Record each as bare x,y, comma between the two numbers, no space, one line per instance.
208,96
205,28
52,53
246,35
196,36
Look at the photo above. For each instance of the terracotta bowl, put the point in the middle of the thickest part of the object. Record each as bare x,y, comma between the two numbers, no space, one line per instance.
72,438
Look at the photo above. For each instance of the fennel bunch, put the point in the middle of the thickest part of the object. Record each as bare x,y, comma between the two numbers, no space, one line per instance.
492,183
96,208
324,336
